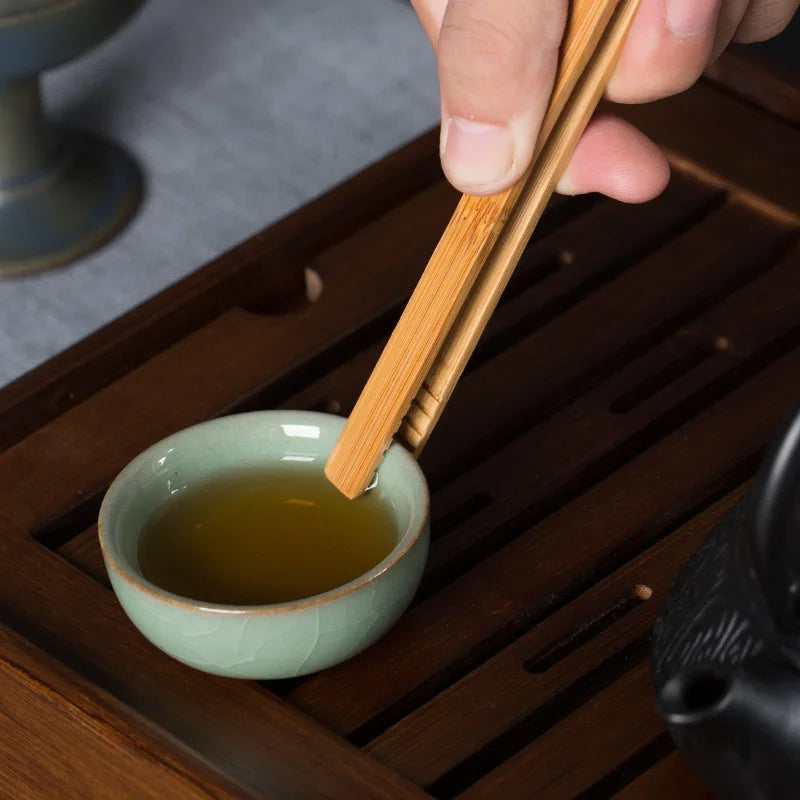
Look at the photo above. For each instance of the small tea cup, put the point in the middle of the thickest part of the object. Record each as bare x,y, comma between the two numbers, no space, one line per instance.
261,641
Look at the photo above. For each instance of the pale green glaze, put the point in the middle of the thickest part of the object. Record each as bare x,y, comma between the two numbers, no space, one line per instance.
275,641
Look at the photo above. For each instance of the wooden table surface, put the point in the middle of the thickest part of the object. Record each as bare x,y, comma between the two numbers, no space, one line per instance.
616,408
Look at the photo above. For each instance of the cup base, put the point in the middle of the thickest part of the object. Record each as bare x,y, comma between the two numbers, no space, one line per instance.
88,193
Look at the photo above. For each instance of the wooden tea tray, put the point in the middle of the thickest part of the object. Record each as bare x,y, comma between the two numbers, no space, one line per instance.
616,408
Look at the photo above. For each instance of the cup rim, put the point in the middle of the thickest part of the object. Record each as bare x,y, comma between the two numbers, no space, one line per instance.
139,583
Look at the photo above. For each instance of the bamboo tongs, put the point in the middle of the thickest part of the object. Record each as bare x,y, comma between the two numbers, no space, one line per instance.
472,263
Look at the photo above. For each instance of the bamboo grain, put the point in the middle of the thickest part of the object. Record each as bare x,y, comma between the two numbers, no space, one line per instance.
473,261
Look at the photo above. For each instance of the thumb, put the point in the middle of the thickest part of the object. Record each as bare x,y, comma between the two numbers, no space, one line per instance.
497,63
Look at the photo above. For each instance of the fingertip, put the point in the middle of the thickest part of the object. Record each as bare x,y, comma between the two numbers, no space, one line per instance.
615,159
669,45
481,158
477,157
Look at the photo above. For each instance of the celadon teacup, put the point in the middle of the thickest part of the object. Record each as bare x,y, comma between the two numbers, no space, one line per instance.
269,641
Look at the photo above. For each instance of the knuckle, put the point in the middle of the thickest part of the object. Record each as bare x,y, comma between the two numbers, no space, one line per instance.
765,19
477,50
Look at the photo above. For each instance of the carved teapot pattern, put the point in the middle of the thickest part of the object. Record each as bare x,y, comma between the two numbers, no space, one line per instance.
726,653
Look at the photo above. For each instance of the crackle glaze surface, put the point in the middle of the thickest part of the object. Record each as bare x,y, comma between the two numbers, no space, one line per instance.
262,642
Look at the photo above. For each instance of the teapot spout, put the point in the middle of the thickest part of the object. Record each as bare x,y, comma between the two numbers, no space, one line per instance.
739,729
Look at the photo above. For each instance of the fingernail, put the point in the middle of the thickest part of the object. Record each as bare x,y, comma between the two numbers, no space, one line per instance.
476,156
687,18
566,185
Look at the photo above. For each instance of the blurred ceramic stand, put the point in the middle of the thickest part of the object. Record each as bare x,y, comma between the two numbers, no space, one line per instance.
62,192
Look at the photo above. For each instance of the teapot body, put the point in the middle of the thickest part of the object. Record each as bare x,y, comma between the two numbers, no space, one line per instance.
714,613
727,679
726,659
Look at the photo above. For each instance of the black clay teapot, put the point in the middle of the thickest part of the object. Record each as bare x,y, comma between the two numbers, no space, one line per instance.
727,641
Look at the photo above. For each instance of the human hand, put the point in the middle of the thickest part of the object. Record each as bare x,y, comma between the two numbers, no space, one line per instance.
497,61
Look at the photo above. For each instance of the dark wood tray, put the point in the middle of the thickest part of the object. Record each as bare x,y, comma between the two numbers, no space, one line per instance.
616,408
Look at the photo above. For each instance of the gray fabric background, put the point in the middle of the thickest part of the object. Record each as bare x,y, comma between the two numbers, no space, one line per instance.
238,112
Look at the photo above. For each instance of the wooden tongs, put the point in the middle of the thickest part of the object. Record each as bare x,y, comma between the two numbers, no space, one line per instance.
472,263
